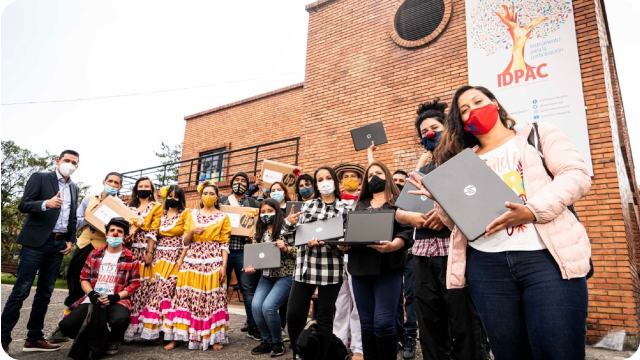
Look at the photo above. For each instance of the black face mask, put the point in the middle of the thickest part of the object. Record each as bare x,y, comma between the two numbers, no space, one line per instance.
172,203
376,184
239,188
400,187
143,194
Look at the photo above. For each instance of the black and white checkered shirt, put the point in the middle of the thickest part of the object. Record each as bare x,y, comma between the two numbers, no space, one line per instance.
321,265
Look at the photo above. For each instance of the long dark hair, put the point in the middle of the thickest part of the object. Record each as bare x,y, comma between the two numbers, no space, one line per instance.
430,109
261,227
217,203
134,201
304,177
179,193
390,188
336,191
284,188
454,139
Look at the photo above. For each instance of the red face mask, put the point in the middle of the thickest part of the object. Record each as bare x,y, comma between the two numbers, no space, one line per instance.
482,119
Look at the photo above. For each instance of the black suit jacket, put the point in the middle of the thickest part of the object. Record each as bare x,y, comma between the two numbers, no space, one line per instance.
39,224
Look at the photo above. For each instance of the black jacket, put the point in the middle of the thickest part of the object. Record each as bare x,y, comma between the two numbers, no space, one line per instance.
39,224
367,261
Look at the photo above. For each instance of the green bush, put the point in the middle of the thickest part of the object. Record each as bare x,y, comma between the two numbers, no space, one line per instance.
65,266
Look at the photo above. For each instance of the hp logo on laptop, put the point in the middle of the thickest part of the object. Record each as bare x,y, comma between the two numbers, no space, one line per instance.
261,256
319,229
368,136
470,190
423,197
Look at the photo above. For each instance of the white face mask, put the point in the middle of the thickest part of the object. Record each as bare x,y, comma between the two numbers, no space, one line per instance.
66,169
326,187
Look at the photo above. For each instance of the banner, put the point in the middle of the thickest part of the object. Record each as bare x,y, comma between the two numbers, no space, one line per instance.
526,53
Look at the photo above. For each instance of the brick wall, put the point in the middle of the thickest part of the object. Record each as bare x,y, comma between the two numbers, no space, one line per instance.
356,75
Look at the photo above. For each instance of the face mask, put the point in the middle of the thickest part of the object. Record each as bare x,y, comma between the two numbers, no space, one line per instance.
306,192
114,241
400,187
66,169
209,201
277,195
172,203
482,120
268,218
431,139
350,184
239,188
326,187
376,184
143,194
110,190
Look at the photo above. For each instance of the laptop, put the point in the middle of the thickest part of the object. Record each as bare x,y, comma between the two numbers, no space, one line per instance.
297,205
471,193
262,256
368,227
363,136
323,230
414,203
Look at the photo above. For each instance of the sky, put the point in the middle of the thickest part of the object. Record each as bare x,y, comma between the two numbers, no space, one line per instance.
219,51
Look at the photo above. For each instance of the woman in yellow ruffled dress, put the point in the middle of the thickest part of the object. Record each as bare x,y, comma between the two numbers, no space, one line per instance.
169,255
199,314
142,244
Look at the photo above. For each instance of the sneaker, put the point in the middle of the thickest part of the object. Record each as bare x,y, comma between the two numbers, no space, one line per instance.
56,337
38,346
285,336
409,349
278,349
254,333
400,346
263,348
113,348
244,327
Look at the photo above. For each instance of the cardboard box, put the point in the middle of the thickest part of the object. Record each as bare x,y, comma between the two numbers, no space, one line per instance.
109,208
273,171
243,219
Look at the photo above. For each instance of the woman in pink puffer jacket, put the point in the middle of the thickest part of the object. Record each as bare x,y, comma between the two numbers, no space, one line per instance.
526,276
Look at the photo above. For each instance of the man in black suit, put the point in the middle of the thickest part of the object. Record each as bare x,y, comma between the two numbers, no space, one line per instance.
48,233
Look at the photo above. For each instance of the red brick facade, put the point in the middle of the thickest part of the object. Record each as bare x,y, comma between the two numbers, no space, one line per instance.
356,74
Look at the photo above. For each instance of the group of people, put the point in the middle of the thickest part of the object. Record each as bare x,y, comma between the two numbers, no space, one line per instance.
520,290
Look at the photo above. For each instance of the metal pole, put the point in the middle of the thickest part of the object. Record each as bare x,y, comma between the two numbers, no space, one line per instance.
255,164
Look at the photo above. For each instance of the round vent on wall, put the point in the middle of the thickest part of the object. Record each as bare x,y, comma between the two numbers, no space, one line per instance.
417,22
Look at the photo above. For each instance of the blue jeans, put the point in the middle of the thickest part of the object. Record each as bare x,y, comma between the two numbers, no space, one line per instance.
527,309
270,294
407,329
45,262
247,282
376,299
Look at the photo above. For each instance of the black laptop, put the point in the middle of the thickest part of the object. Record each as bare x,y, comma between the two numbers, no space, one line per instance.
414,203
368,227
363,136
297,205
470,192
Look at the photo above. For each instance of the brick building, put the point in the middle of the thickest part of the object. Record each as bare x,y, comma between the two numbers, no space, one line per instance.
357,74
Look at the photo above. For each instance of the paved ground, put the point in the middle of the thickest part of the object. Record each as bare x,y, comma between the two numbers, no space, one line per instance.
239,347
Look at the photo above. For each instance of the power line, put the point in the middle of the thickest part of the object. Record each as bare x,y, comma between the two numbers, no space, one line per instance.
146,93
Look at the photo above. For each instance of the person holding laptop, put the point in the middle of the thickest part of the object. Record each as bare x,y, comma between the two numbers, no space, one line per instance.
318,266
527,274
376,270
275,284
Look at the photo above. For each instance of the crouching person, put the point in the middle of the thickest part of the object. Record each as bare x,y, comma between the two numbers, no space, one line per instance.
99,319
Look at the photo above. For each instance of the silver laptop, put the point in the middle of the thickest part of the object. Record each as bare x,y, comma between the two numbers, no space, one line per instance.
414,203
368,227
297,205
470,192
323,230
262,256
363,136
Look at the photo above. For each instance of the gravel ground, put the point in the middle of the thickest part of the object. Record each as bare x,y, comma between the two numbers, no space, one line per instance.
239,344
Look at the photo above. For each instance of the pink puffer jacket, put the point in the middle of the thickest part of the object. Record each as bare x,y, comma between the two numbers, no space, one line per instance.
564,236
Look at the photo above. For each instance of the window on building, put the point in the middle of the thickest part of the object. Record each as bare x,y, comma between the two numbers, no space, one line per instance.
212,165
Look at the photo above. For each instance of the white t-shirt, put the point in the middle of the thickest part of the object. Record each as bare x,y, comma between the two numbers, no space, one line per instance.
505,161
107,275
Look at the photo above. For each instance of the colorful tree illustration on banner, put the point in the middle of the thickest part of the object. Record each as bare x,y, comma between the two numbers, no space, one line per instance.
500,24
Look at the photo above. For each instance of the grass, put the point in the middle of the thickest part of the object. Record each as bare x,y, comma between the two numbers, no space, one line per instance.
10,279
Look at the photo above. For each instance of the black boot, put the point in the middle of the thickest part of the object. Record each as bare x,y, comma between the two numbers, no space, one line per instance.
386,347
369,347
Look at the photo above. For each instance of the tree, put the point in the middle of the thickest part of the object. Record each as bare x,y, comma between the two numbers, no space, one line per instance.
496,25
169,156
18,165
